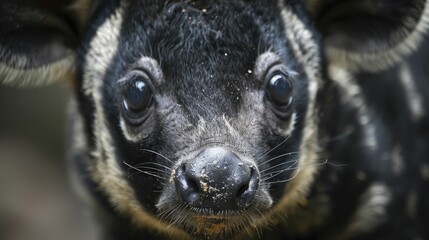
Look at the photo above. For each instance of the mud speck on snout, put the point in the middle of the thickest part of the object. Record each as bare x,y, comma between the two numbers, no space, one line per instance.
203,183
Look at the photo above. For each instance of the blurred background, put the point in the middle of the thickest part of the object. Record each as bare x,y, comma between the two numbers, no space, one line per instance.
36,198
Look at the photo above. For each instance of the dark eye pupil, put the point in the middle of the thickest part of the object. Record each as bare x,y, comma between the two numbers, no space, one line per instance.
137,96
280,90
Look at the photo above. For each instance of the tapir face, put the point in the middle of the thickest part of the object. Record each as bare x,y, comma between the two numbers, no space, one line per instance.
204,119
201,129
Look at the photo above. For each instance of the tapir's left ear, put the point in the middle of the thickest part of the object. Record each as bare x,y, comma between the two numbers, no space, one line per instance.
370,34
38,39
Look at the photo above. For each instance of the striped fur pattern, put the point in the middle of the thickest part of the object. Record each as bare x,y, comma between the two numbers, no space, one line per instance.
345,157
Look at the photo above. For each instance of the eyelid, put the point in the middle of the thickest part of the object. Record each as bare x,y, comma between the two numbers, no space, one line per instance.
267,62
279,67
129,76
285,70
137,72
150,68
291,73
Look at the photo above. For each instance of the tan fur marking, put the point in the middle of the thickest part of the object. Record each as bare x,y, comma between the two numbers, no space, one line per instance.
371,211
425,172
383,59
411,204
106,171
79,145
62,70
352,94
81,9
414,98
101,51
398,163
306,50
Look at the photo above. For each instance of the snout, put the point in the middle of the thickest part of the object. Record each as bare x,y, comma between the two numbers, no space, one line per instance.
217,180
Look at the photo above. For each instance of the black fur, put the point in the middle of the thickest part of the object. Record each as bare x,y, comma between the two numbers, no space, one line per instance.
207,52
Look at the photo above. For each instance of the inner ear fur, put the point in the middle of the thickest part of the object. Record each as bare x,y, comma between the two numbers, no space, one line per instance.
370,35
38,40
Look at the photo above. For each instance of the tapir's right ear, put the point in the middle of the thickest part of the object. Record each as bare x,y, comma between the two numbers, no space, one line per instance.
38,39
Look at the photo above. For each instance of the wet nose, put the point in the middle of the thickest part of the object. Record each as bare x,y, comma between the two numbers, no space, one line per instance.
217,179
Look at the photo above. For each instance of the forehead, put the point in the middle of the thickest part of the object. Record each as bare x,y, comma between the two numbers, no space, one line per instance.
217,33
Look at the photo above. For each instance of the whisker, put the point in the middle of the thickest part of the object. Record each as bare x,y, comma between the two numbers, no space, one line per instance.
153,163
269,151
277,157
145,172
251,120
337,164
247,230
150,174
181,213
278,165
167,213
316,164
157,153
154,169
275,174
348,131
287,180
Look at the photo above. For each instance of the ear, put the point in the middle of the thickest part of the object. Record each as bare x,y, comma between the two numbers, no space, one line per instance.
38,39
370,34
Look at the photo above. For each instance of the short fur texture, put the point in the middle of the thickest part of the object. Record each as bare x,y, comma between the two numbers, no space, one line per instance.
345,158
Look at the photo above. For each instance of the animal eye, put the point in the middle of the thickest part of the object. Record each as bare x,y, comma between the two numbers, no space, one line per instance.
137,97
279,90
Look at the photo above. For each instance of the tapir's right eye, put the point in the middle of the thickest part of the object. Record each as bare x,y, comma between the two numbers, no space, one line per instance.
136,97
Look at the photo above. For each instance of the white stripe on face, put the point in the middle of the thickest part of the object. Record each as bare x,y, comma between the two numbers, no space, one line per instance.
307,52
106,170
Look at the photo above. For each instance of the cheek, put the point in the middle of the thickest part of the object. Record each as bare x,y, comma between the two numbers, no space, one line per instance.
147,184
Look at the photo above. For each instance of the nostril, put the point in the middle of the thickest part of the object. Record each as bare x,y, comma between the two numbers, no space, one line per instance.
242,190
193,185
247,192
193,193
192,181
186,186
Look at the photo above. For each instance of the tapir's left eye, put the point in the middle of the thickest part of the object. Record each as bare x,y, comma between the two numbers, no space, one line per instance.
137,97
279,89
279,92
